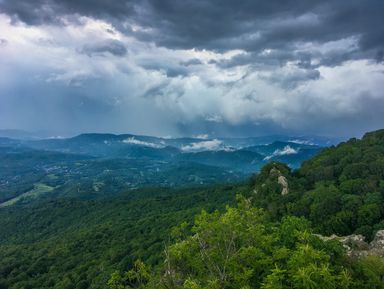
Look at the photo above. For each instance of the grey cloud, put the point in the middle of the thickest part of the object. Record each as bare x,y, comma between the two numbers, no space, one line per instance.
257,91
111,46
169,69
49,11
223,25
156,91
203,24
256,25
367,114
294,78
193,61
273,58
380,56
222,129
59,108
3,42
161,91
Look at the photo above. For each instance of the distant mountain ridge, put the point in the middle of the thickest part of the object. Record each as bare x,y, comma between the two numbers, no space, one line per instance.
252,152
97,165
206,143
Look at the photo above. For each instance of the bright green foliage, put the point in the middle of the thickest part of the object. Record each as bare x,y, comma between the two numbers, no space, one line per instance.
242,249
137,277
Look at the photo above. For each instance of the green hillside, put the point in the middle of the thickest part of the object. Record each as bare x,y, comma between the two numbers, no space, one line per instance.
267,241
78,244
340,190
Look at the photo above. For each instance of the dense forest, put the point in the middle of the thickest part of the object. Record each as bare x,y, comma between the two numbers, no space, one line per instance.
242,248
206,238
78,244
340,191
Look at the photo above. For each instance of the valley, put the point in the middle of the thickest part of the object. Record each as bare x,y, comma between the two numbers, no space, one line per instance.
93,166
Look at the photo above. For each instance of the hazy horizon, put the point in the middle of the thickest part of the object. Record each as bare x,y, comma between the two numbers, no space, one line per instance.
45,134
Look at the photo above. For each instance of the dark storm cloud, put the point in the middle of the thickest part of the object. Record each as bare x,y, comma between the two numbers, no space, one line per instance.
210,24
225,24
256,25
111,46
48,11
249,65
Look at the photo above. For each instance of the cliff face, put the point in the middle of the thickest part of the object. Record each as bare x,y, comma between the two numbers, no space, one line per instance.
284,184
356,246
281,180
273,180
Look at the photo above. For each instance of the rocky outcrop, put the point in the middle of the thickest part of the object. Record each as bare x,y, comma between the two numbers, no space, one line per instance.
377,245
281,180
356,246
284,184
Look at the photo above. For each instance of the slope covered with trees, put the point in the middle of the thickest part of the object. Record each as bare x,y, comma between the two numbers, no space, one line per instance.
242,248
77,244
339,191
267,241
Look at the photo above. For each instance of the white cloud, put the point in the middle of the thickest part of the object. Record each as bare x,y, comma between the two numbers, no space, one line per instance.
134,141
287,150
209,145
201,136
300,141
214,118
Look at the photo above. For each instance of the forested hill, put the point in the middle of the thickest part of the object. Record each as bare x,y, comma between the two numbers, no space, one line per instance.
77,244
341,190
265,241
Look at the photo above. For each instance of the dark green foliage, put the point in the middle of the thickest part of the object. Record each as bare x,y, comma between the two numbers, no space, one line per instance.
340,190
78,244
368,273
85,177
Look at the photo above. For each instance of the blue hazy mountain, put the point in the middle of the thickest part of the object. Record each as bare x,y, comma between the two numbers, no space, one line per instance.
235,160
110,144
98,165
291,153
245,155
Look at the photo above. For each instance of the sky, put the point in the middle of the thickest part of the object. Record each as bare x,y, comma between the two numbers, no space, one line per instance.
186,67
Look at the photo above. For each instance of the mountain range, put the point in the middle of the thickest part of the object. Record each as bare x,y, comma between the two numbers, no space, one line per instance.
96,165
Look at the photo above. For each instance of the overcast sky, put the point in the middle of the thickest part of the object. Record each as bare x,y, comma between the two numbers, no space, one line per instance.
184,67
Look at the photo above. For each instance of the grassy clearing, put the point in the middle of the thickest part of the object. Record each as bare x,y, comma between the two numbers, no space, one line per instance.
38,190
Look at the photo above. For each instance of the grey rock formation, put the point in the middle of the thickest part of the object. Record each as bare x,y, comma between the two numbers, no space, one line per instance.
284,184
356,246
377,245
281,180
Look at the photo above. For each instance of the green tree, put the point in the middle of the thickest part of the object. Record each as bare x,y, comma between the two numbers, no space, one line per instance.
242,249
138,277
